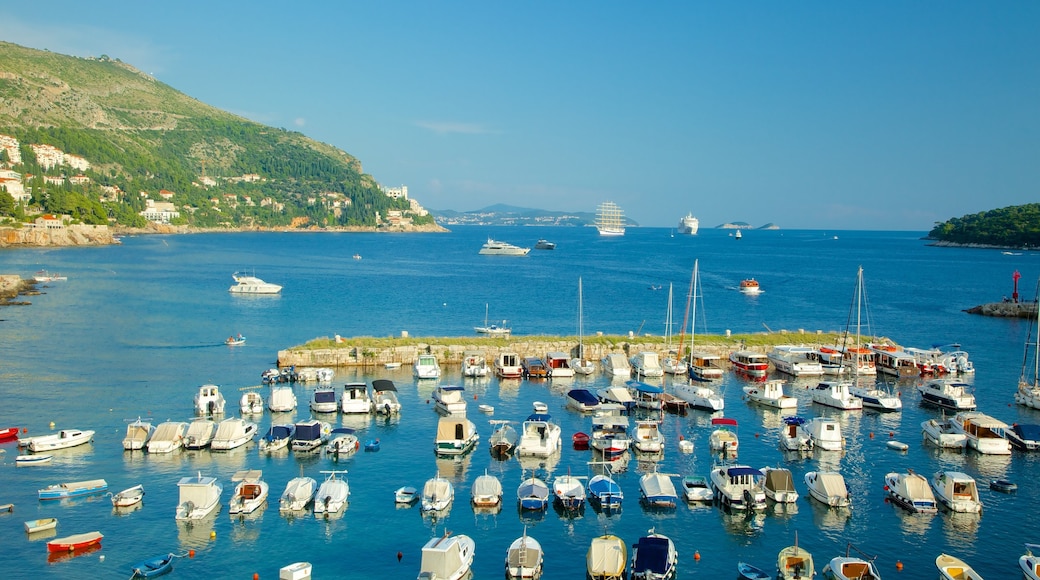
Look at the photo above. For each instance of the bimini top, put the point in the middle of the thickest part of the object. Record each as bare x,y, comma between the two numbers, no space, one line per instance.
539,417
383,385
796,420
738,471
643,387
450,388
724,421
1028,432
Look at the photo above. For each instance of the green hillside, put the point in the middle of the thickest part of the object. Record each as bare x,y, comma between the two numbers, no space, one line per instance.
1016,226
141,135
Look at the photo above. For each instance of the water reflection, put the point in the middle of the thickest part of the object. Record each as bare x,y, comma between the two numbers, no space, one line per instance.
829,518
743,522
961,529
454,468
193,534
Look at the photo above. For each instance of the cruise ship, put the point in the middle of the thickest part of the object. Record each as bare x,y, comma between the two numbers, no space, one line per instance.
610,220
689,225
494,248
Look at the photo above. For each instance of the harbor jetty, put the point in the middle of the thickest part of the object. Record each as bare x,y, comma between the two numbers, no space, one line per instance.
1005,309
377,352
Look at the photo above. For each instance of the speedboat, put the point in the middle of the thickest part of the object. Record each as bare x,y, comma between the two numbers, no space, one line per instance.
953,568
750,363
943,435
72,489
252,285
877,398
503,439
332,495
606,492
237,340
1023,436
474,364
837,395
137,434
524,558
198,497
957,491
310,435
947,394
983,432
437,494
456,435
610,434
63,439
447,557
825,433
323,400
646,364
496,248
647,436
582,400
738,487
828,488
209,401
653,558
697,489
544,245
770,394
200,434
298,493
750,286
168,437
449,399
606,558
778,484
128,497
793,437
1029,563
569,492
657,490
45,276
342,442
406,495
355,399
384,397
251,403
700,396
532,494
282,399
851,568
250,493
232,433
486,491
277,437
540,437
910,491
794,563
797,361
426,367
722,439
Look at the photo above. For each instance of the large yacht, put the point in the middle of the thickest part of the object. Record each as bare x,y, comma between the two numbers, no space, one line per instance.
495,248
610,220
689,225
252,285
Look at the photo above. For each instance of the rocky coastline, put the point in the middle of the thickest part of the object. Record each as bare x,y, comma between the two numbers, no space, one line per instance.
1005,309
12,286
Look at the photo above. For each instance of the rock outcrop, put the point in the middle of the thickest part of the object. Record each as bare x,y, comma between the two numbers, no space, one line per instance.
71,235
1005,309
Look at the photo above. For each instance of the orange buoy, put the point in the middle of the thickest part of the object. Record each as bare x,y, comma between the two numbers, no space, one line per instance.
697,555
25,429
191,553
474,397
256,576
899,564
891,434
681,437
871,434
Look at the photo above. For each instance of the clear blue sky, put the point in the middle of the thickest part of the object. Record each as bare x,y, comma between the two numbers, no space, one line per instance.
883,115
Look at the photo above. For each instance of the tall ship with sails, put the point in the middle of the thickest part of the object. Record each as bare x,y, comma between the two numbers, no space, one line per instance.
689,225
610,220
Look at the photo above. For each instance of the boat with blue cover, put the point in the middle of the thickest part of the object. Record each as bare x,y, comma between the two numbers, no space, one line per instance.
645,395
582,400
605,492
653,557
73,489
277,437
153,567
533,494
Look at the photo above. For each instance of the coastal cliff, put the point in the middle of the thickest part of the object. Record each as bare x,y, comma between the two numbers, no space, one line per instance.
71,235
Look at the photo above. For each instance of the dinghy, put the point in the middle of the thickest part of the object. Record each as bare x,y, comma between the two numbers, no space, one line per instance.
153,567
128,497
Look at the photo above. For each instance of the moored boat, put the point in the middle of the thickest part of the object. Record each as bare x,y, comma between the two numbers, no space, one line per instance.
128,497
72,489
299,492
606,558
983,432
603,490
323,400
198,497
310,435
751,363
503,439
252,285
957,491
30,460
941,434
794,563
281,400
778,484
793,437
657,490
532,494
850,568
250,493
277,437
825,433
75,542
748,572
540,436
456,435
384,397
837,395
697,489
795,360
447,557
723,439
653,558
437,494
426,367
524,558
770,394
486,491
911,492
252,402
1029,563
828,488
569,492
406,495
474,364
342,442
153,567
232,433
738,487
137,434
953,568
507,365
449,399
209,401
200,434
8,434
877,398
582,400
332,495
63,439
40,525
647,436
355,399
947,394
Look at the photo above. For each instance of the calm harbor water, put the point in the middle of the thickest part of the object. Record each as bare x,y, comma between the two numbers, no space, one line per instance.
138,327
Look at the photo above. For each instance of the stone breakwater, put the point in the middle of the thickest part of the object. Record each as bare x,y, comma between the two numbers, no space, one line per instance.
1005,309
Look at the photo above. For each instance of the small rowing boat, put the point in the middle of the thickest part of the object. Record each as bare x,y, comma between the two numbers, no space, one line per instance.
128,497
75,542
40,525
26,460
152,567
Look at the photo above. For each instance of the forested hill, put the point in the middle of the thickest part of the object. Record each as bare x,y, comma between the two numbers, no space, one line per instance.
141,135
1016,226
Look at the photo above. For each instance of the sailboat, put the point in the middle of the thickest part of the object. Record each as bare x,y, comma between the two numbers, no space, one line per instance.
492,329
858,359
672,364
702,366
610,220
1028,394
581,364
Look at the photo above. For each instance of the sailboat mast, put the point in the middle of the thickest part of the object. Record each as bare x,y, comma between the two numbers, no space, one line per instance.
689,298
581,331
668,320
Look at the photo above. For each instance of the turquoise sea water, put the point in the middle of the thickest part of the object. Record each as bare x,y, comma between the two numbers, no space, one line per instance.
138,327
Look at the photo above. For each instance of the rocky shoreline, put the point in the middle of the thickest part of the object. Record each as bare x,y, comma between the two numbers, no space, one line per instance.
1005,309
12,286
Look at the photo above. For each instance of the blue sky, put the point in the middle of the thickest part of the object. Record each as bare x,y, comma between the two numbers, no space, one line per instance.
816,115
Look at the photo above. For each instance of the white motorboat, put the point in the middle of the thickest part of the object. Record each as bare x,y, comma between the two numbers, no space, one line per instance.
426,367
983,432
657,490
524,558
647,436
497,248
911,492
646,364
323,400
794,563
793,437
750,363
539,436
615,364
828,488
450,399
700,396
795,360
232,433
128,497
343,442
209,401
63,439
738,487
874,397
606,559
322,375
299,492
851,568
168,437
277,437
778,484
137,434
447,557
616,396
503,439
486,491
825,433
942,434
947,394
456,435
953,568
406,495
250,493
696,488
610,221
833,361
474,364
1029,563
653,557
559,365
437,494
252,285
569,492
532,494
200,434
281,400
957,491
45,276
332,495
610,433
310,435
30,460
251,403
198,497
837,395
723,439
582,400
355,399
507,365
770,394
384,397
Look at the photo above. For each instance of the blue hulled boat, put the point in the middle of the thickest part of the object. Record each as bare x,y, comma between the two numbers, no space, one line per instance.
153,567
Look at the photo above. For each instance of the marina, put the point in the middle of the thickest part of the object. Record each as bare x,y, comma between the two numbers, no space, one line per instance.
157,378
